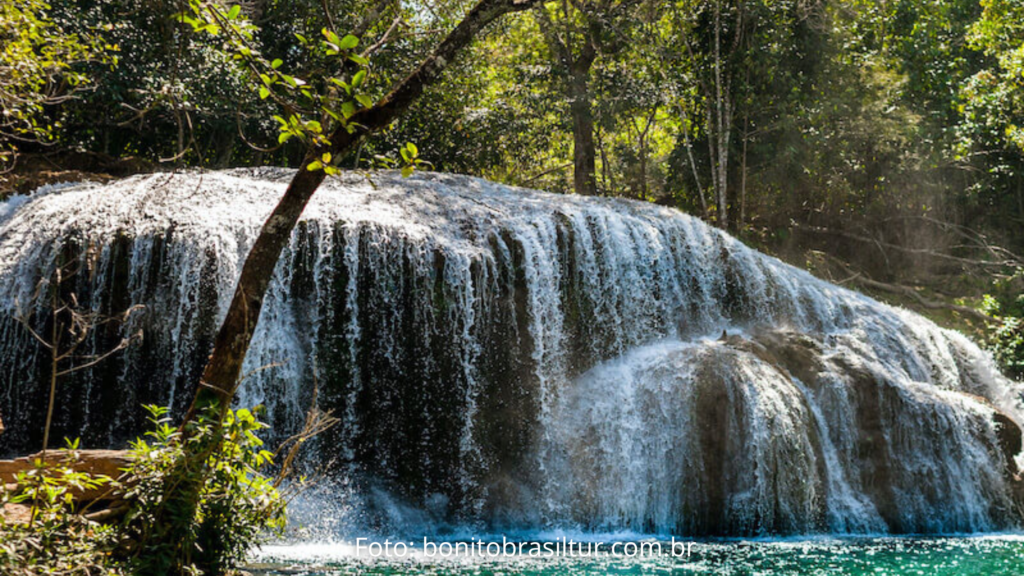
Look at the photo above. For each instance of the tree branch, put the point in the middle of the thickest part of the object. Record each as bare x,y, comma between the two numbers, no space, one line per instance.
232,341
916,251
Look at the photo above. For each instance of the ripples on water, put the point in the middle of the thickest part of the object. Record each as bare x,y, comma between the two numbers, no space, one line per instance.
989,556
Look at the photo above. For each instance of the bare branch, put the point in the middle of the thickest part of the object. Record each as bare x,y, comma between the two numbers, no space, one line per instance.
926,252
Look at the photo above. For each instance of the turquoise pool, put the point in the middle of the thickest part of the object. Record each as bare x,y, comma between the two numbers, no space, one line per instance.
991,555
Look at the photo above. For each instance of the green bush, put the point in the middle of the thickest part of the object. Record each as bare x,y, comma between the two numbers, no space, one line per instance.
56,540
1007,345
1007,340
171,532
165,532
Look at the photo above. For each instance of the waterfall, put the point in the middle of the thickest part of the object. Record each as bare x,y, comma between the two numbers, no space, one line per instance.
503,358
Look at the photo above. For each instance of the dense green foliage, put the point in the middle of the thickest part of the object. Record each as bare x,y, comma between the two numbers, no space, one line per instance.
39,67
236,508
55,540
815,111
232,510
1007,340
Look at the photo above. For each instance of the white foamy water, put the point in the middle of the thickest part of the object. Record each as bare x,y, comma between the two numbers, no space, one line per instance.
504,358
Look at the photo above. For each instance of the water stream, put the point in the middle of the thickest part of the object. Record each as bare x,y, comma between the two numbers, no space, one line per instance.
507,359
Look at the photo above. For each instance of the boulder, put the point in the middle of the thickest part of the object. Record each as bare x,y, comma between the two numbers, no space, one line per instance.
802,356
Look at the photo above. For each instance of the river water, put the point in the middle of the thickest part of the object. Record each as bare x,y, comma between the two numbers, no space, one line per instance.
990,555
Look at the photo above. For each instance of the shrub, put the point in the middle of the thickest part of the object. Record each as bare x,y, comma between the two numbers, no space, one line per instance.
56,540
1007,340
236,504
162,533
1007,344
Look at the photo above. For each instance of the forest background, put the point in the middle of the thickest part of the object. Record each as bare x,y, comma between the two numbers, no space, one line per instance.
877,143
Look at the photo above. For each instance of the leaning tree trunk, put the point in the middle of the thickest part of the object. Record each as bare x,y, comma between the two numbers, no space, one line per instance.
171,527
221,375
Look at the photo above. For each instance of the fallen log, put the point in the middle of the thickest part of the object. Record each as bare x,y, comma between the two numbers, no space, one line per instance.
99,504
109,463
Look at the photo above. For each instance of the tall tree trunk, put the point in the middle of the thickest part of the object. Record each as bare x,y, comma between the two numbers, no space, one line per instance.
696,173
577,85
743,176
221,375
583,152
1020,197
642,145
723,167
712,137
721,114
604,160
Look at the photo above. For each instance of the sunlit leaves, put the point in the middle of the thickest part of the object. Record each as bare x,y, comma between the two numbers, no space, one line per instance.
38,67
227,460
993,100
314,107
322,163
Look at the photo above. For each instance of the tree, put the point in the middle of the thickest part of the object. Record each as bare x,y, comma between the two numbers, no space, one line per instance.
576,33
223,368
749,61
308,105
38,68
992,101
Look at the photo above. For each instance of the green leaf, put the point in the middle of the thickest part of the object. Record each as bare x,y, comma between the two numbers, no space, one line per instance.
264,92
341,83
331,36
276,63
348,42
234,12
357,80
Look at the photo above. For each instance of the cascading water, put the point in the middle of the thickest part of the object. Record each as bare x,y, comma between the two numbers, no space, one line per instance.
505,358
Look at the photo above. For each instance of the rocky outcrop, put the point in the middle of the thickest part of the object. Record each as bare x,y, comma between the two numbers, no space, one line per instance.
801,356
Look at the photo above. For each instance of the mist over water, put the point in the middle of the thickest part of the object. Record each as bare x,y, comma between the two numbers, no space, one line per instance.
504,359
